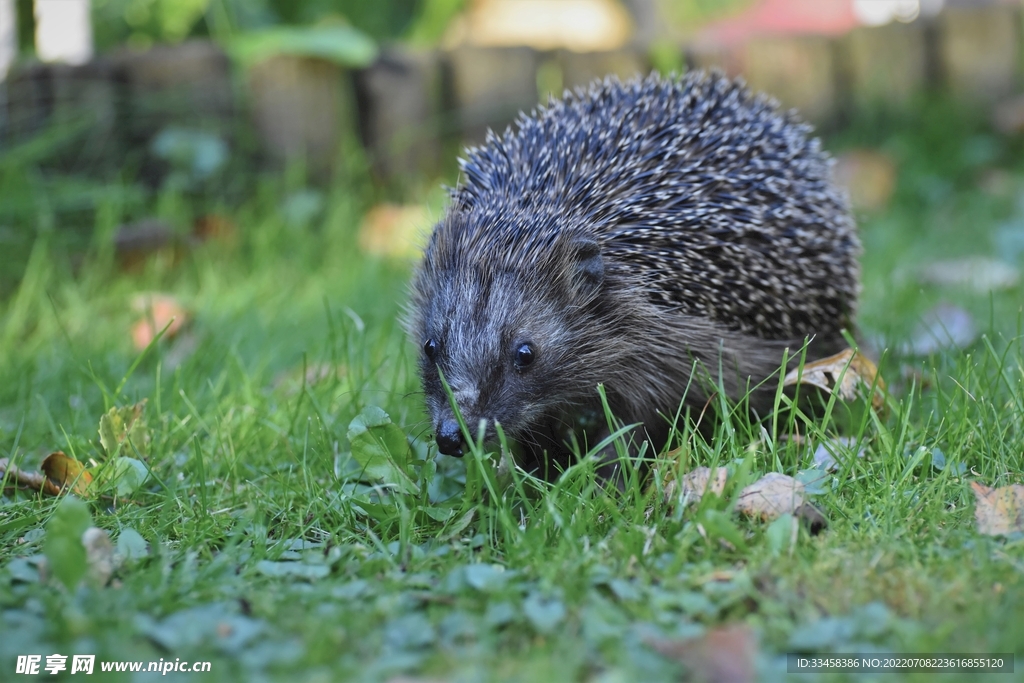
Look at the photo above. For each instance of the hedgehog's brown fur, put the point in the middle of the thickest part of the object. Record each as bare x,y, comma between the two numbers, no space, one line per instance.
627,235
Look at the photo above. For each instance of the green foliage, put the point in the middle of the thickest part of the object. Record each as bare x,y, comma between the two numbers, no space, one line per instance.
340,44
26,25
381,449
144,22
63,547
294,520
686,17
121,476
433,20
131,545
381,19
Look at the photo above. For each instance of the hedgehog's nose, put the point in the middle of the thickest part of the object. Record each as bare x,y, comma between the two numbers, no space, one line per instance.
449,438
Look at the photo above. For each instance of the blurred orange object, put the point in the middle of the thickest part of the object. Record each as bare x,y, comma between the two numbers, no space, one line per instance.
159,311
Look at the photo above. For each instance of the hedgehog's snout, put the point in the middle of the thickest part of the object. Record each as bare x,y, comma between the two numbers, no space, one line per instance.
449,437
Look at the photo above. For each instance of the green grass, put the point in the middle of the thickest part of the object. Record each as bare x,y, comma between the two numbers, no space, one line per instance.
273,557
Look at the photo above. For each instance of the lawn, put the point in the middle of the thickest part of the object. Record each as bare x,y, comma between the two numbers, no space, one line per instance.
269,550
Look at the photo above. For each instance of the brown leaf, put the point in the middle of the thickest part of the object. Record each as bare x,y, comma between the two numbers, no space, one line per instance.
159,311
998,511
63,471
771,496
844,373
394,231
34,481
693,484
99,555
727,654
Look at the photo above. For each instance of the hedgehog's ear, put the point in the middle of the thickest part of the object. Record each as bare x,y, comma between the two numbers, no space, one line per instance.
589,264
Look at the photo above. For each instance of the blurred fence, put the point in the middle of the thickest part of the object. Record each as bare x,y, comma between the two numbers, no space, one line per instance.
405,105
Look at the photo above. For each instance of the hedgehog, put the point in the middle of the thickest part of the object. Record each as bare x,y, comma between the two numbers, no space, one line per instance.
665,238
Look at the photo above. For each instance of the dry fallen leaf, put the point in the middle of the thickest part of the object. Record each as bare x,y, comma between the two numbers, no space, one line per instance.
770,496
63,471
394,231
998,511
845,373
722,655
692,485
99,555
158,311
943,327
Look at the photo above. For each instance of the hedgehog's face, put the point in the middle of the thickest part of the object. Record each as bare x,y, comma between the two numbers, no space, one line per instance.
503,341
495,352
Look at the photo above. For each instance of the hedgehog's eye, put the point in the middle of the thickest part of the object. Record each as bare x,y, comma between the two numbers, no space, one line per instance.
430,348
525,355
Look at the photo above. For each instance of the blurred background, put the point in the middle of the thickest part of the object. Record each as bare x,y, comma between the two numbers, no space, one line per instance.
137,136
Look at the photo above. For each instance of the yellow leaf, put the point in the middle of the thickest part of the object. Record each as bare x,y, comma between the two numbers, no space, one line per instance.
62,471
845,374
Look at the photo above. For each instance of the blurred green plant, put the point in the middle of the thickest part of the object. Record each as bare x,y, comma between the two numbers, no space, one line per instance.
381,19
433,19
144,22
341,44
686,16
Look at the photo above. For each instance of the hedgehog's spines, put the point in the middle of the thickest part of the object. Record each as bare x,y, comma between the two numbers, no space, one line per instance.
700,156
721,237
